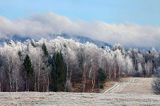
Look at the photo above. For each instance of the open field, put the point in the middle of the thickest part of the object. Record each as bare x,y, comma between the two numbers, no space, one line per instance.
132,86
128,92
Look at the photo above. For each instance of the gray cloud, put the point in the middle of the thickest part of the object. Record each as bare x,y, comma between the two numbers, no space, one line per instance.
43,25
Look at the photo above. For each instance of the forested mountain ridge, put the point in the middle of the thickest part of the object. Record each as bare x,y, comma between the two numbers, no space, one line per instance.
65,64
78,38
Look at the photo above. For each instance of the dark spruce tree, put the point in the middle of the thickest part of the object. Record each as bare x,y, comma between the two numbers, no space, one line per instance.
29,74
58,72
45,58
44,48
61,71
53,77
101,77
46,66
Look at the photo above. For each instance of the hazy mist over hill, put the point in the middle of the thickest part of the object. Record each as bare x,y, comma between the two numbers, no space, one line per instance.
46,25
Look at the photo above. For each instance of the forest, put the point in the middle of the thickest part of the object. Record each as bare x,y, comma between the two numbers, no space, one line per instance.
66,65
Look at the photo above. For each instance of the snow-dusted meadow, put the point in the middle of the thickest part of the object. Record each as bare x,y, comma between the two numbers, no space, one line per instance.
77,99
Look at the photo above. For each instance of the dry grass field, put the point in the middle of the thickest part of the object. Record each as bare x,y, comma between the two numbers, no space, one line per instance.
128,92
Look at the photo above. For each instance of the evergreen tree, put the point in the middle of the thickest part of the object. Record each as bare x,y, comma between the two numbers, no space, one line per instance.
45,67
44,48
53,76
28,65
58,73
61,71
101,77
29,73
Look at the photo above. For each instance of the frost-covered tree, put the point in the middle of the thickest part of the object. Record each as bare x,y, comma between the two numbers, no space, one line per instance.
66,65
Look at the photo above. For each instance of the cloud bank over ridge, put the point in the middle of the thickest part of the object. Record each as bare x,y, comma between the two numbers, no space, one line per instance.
43,25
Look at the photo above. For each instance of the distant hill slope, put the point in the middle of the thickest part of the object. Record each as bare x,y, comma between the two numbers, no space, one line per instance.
78,38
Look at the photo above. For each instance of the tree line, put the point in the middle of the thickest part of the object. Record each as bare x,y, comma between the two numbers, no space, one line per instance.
66,65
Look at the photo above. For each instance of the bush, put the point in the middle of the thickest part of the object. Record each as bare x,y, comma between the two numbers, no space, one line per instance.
156,82
137,74
156,86
101,78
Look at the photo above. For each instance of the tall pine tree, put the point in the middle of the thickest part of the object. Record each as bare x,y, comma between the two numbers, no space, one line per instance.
44,48
58,73
29,73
